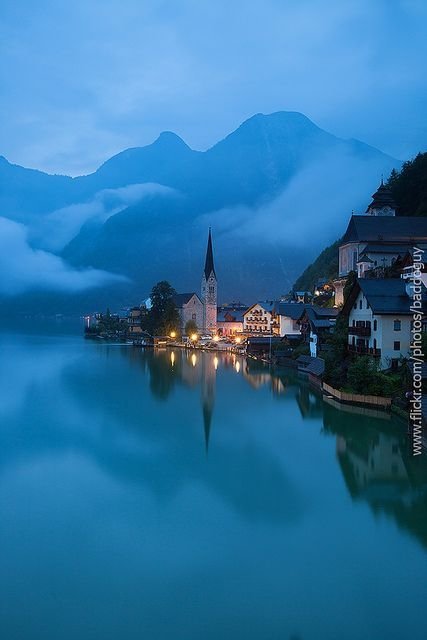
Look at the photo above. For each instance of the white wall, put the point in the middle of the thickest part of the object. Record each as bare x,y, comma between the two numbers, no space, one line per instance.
288,326
384,334
194,307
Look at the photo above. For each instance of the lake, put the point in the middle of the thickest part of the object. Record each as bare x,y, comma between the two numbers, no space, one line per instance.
159,495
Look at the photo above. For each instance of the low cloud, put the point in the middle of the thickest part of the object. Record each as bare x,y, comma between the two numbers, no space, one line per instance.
55,230
312,211
25,268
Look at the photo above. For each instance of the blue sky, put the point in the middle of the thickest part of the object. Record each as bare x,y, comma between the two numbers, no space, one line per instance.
83,80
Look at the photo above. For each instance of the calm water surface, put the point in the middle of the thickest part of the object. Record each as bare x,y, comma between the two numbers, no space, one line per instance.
159,496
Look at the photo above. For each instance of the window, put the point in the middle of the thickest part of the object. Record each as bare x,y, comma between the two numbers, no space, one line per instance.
375,343
397,325
394,364
355,305
375,325
396,346
193,316
211,289
360,304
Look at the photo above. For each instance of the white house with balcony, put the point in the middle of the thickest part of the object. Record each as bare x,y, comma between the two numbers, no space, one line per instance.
379,320
261,318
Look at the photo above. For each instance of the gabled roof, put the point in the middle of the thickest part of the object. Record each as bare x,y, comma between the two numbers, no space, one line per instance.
293,310
183,298
315,366
400,229
364,258
230,315
385,296
328,312
209,262
267,305
321,317
386,248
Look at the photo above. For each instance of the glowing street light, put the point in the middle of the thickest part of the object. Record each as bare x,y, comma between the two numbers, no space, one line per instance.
216,338
193,337
173,334
238,340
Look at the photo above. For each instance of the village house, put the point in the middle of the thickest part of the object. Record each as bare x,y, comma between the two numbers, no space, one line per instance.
316,323
379,320
135,319
261,318
230,321
289,314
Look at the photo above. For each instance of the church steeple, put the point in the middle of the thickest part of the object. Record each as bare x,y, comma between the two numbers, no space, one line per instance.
209,290
209,262
382,203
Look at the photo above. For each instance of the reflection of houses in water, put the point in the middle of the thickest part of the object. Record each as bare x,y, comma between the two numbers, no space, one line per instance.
258,375
382,463
378,468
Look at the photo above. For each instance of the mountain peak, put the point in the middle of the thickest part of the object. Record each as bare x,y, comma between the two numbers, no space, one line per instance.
291,120
171,140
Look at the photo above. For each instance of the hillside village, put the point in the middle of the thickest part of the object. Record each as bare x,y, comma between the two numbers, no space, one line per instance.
354,332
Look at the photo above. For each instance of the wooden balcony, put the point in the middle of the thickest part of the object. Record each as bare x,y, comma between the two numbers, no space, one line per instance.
366,351
360,331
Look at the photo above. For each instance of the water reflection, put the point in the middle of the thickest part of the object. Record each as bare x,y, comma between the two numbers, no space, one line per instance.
156,484
378,467
96,391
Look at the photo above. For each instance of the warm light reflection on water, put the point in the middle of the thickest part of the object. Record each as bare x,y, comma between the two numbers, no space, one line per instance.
144,496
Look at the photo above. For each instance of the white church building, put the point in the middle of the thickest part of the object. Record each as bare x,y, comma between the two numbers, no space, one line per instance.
201,309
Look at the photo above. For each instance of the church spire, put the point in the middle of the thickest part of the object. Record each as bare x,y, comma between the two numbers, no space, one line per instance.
209,263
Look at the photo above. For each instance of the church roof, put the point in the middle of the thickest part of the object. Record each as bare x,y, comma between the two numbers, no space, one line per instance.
382,198
402,229
209,263
183,298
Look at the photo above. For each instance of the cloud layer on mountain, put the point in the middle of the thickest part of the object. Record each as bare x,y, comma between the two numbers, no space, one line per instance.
25,268
274,186
56,229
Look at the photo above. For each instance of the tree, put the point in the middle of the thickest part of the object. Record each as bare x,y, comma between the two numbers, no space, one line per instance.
190,328
163,317
364,377
337,356
351,279
409,186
